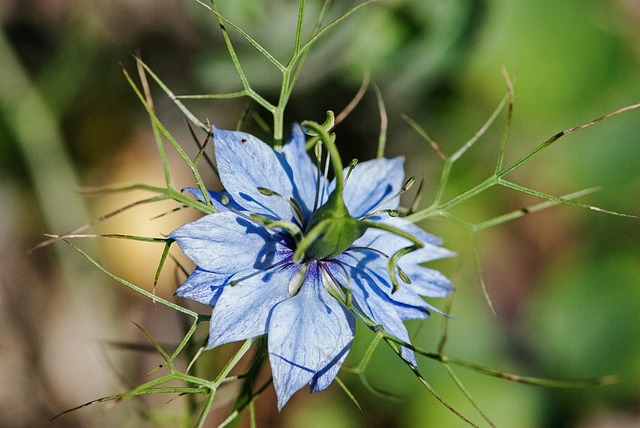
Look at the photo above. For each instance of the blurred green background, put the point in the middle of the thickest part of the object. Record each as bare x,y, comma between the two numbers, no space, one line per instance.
565,282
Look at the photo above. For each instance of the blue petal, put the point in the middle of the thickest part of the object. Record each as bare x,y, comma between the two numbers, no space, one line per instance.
302,172
407,299
376,305
243,310
203,286
309,336
244,164
373,183
216,199
426,282
389,242
226,243
323,377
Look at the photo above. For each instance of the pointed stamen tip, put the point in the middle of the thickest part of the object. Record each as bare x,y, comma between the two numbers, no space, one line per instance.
403,276
352,166
298,279
267,192
410,182
259,218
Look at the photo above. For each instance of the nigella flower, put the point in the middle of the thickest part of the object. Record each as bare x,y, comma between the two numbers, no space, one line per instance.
297,257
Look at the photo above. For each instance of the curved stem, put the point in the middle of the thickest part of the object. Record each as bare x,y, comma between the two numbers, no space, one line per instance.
336,161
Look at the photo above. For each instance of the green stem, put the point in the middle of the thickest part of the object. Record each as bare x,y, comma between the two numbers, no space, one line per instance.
336,161
439,209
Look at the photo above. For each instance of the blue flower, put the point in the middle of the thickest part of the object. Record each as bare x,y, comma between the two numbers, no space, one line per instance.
249,272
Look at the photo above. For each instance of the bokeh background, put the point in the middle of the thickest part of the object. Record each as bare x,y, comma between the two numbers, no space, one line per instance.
565,282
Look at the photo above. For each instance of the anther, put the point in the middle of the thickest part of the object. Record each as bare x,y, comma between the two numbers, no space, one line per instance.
298,279
295,207
393,213
352,166
331,285
410,182
288,226
403,276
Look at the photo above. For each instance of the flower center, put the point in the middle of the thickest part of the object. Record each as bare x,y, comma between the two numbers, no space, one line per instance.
331,229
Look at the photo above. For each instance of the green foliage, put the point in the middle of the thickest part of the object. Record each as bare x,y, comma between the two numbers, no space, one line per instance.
438,61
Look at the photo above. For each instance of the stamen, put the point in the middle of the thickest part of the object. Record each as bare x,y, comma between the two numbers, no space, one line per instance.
393,263
297,211
393,213
352,166
392,267
326,164
403,276
267,192
368,249
410,182
295,207
334,288
257,218
318,153
288,226
298,279
321,174
235,282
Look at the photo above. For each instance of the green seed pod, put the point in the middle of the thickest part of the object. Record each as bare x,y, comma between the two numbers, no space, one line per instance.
335,229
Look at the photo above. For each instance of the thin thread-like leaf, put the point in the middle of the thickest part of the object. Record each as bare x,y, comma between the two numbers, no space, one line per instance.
466,146
147,391
163,259
440,398
483,284
296,61
149,239
56,238
421,131
225,96
156,132
560,200
157,347
507,125
561,134
133,286
188,114
202,152
531,380
329,26
172,141
346,111
236,62
444,179
467,394
265,53
348,392
384,123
